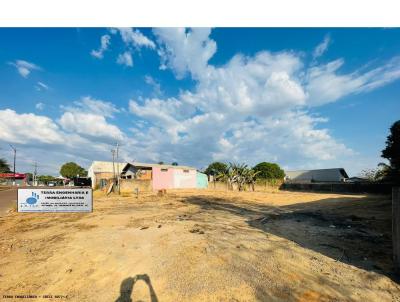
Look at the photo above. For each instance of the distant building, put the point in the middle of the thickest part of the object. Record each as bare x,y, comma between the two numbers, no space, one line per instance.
165,176
8,179
102,171
319,175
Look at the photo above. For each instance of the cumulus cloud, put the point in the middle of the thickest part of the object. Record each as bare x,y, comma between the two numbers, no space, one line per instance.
28,127
322,47
82,133
185,50
252,108
88,118
249,109
104,44
89,124
24,68
135,38
125,59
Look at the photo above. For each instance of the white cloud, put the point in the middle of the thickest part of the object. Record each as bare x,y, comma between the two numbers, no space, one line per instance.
88,118
39,106
324,84
24,68
185,50
41,86
322,47
28,127
105,43
125,59
90,125
88,104
135,38
252,108
40,139
153,83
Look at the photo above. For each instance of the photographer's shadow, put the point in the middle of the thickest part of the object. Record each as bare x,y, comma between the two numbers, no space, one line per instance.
127,288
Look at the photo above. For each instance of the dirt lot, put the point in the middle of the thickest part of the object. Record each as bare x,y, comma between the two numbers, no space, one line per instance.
204,246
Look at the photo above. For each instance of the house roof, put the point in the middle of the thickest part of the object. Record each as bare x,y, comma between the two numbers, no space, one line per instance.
318,174
106,166
147,165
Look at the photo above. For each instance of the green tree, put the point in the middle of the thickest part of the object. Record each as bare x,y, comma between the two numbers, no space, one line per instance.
216,168
175,163
4,166
160,162
72,169
269,171
392,152
45,178
29,176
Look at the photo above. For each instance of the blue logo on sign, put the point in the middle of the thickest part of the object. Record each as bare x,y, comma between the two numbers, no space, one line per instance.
33,199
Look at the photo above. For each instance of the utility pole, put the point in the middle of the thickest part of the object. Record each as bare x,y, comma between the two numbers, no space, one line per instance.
15,156
34,175
118,176
113,159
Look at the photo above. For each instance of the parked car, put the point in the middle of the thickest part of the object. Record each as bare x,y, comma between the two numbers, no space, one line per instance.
82,181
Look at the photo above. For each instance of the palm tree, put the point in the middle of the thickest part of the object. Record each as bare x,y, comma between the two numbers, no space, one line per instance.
251,177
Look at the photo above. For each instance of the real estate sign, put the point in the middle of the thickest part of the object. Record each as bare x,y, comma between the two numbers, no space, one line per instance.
55,200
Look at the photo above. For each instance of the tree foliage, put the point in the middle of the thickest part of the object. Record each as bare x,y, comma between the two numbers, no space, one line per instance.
72,169
239,175
4,166
392,152
216,168
45,178
269,171
175,163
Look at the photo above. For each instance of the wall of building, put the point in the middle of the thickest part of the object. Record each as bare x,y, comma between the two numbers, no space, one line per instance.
145,174
130,185
96,180
184,179
201,180
163,178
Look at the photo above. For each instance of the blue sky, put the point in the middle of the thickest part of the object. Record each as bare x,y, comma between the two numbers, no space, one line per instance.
305,98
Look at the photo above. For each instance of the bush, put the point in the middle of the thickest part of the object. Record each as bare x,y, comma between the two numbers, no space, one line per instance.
269,171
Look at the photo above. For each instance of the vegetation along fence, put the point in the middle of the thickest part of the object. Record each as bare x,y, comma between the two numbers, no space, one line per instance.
342,187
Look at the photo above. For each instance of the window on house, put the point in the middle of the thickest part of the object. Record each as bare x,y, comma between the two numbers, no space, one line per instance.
185,171
164,170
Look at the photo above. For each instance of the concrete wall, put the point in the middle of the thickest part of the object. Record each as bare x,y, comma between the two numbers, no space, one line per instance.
201,180
184,179
376,188
99,176
163,179
129,185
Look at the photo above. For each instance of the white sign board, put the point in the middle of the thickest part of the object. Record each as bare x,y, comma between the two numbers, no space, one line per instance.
55,200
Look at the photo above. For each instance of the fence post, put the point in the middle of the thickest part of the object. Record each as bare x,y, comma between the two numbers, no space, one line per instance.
396,227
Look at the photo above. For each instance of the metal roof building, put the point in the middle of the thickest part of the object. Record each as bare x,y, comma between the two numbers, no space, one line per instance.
99,170
318,175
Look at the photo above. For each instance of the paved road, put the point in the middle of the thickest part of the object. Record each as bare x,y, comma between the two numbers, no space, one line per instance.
7,198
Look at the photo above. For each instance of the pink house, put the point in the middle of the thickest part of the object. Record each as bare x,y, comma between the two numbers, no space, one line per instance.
162,176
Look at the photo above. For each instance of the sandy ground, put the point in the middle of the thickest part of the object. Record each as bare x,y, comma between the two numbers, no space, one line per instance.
204,246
